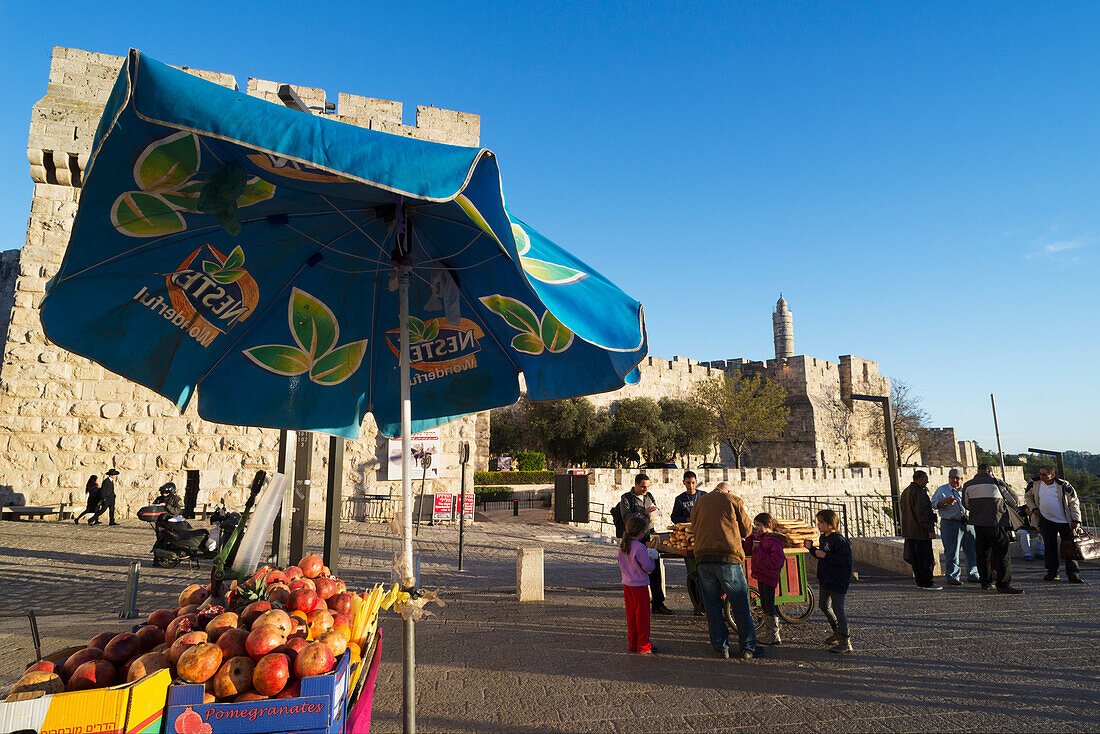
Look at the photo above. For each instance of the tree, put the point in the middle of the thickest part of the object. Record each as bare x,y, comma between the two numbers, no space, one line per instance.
743,410
688,427
506,433
910,420
639,429
562,429
838,422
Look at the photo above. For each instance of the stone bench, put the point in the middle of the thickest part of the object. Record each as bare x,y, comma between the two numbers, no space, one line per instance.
23,512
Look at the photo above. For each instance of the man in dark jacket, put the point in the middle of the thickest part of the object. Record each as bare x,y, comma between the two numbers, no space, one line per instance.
107,499
991,506
639,501
918,527
681,512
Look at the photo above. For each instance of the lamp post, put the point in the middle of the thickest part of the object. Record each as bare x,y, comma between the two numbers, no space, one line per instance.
891,445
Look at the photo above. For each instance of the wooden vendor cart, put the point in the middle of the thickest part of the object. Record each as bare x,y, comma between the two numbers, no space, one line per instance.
794,600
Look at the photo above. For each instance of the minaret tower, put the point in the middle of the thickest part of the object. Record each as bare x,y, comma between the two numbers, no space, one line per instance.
783,328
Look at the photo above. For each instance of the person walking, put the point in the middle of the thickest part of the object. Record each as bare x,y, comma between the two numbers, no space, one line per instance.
834,574
765,547
639,501
991,505
918,527
955,531
1056,506
719,522
635,566
92,490
107,499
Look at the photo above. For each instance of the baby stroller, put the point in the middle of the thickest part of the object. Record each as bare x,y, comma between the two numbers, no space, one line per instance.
177,540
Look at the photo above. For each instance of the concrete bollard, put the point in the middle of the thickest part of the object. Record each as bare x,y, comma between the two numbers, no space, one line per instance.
529,574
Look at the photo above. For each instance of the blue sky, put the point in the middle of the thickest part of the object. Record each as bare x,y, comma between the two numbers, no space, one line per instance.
920,180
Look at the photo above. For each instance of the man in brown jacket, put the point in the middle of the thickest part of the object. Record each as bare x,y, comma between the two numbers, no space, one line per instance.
918,527
720,522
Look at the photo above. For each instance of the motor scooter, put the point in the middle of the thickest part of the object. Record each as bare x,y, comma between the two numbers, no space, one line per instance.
178,540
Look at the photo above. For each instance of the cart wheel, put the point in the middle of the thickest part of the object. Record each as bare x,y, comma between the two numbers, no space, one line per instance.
756,608
797,612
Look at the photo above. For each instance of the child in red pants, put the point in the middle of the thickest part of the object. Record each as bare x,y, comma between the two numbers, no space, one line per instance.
636,565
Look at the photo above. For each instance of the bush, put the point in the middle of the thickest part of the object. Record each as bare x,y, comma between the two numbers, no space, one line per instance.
531,461
482,478
493,494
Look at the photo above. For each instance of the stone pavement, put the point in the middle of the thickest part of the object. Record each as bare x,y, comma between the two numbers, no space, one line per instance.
960,659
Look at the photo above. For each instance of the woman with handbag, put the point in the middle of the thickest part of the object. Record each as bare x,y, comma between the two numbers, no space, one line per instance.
1056,511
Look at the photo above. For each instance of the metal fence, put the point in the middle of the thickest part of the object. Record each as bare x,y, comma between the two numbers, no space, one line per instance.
805,508
511,504
1090,514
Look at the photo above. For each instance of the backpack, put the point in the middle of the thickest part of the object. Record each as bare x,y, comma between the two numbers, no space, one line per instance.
617,518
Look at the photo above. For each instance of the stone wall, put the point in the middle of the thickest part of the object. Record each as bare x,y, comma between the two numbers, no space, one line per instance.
939,446
63,417
606,486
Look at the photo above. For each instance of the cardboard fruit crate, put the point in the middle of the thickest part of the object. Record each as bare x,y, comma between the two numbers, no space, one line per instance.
128,708
321,709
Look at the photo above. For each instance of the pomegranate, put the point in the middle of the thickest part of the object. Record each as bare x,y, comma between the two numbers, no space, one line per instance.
121,648
250,696
220,624
101,640
92,674
161,618
232,643
252,611
148,663
193,594
342,603
183,643
45,666
278,594
180,626
234,677
263,640
149,637
38,680
316,658
326,588
274,577
208,613
275,617
341,587
311,566
199,663
271,674
191,723
293,572
320,621
293,689
335,640
78,658
302,600
292,647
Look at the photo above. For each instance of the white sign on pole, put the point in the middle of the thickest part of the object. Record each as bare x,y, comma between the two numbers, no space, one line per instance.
425,443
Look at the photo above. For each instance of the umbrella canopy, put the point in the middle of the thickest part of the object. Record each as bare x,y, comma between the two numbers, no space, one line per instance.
254,250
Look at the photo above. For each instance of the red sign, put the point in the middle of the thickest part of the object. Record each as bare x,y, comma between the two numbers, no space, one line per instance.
469,509
443,507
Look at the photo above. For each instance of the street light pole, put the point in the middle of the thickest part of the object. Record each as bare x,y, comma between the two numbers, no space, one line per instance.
997,431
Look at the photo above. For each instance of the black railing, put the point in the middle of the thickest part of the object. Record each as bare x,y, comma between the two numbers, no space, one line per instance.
511,504
805,508
1090,514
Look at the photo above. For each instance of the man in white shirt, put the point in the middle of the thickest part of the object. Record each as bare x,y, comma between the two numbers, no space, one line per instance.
955,532
1056,507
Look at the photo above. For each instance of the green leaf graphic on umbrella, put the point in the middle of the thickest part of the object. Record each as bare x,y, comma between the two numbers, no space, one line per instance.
537,335
228,272
422,331
316,333
164,172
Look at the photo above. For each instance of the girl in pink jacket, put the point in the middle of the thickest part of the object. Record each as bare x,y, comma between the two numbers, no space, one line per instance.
766,548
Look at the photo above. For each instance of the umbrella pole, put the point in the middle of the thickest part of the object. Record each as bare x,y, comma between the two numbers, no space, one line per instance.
408,687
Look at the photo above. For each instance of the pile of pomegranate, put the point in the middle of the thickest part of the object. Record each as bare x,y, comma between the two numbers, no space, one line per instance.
299,628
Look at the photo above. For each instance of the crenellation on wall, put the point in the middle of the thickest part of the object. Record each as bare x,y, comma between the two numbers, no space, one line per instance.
63,417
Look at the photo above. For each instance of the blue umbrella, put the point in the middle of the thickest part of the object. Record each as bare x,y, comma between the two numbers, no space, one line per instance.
305,272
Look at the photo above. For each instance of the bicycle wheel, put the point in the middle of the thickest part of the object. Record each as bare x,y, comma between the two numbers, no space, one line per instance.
754,608
797,612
